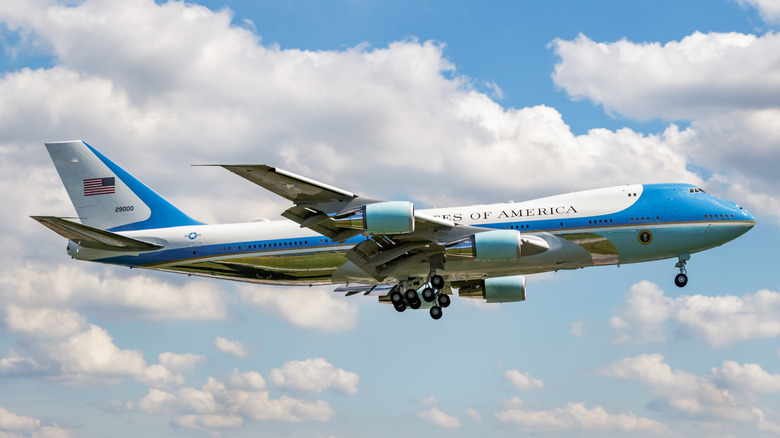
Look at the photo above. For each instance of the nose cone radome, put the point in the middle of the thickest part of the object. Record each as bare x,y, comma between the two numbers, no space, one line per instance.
746,216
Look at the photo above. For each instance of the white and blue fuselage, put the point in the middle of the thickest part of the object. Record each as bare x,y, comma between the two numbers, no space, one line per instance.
616,225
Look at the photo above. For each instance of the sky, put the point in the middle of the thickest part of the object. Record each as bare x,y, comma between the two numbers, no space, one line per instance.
443,103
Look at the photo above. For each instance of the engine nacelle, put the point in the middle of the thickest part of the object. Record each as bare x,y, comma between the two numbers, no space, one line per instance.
496,245
496,290
392,217
499,245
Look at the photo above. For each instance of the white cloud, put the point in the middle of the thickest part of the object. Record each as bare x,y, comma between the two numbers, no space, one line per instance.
765,425
91,354
314,375
203,77
10,421
430,401
678,392
726,84
576,417
209,421
182,363
523,381
235,348
220,405
646,314
474,415
643,313
769,9
157,376
747,377
677,80
577,328
250,380
439,418
43,322
56,342
85,354
39,288
315,309
14,425
729,394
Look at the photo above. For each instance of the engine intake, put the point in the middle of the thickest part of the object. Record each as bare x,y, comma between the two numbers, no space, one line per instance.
496,290
392,217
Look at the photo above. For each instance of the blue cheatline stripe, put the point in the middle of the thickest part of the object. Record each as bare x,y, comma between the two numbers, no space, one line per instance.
164,214
232,249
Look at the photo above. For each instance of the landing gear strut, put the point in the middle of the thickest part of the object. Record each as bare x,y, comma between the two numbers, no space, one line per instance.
681,279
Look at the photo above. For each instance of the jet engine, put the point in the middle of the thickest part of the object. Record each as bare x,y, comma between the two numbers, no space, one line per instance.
392,217
496,290
498,245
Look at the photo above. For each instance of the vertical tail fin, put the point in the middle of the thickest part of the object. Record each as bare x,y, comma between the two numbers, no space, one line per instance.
107,197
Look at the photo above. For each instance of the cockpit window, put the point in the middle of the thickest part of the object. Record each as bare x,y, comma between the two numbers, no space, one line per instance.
696,190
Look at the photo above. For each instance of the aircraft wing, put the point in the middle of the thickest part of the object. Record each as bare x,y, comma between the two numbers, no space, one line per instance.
316,203
298,189
91,237
326,209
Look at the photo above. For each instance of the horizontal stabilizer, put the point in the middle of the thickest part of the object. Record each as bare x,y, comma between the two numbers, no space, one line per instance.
91,237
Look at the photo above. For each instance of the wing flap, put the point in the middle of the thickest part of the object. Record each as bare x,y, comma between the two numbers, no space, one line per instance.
378,290
91,237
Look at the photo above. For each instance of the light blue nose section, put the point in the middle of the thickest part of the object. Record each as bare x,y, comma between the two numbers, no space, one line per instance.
748,216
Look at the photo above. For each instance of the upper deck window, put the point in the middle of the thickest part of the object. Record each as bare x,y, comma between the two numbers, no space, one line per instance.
696,190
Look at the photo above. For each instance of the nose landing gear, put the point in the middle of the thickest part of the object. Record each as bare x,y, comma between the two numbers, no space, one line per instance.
681,279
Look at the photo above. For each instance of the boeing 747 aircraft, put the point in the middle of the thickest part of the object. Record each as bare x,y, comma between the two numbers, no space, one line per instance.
410,258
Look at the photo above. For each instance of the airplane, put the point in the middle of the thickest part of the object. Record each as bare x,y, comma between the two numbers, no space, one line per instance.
410,258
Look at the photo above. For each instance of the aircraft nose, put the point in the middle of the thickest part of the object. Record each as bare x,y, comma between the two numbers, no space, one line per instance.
747,216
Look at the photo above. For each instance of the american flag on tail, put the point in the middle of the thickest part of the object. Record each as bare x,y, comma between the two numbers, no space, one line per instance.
99,186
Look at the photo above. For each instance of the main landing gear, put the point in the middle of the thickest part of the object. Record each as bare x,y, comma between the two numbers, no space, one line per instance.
432,293
681,279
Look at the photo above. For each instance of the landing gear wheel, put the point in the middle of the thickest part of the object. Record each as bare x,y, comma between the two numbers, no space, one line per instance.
437,281
436,312
397,298
681,279
398,301
413,299
428,294
444,300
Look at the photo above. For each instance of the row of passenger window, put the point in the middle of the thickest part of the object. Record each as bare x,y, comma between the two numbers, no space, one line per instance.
719,216
270,245
517,227
644,219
